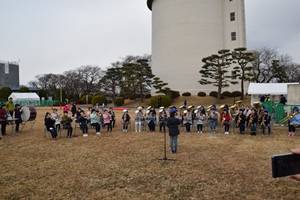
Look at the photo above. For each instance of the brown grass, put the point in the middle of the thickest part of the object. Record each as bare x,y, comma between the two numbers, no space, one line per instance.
125,166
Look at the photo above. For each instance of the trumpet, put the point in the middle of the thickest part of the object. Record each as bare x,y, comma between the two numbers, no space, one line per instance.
262,123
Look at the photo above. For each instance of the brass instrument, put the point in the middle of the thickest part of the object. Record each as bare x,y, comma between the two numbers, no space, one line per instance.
222,108
250,120
290,116
239,120
256,105
239,103
209,108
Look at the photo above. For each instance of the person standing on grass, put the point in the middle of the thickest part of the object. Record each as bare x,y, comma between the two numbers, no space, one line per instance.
10,106
18,114
172,124
125,120
106,121
49,123
151,120
3,118
73,110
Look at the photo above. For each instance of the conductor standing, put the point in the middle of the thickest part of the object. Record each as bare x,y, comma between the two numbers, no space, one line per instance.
172,124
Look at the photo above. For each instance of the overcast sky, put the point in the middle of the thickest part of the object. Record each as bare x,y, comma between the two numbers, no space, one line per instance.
53,36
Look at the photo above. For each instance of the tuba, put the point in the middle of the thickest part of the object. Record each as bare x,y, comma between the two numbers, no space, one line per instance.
239,103
256,105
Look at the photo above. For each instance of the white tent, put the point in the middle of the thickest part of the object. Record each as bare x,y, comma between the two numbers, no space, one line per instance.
256,90
25,99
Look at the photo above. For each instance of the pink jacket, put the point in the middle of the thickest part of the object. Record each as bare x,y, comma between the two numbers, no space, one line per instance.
106,118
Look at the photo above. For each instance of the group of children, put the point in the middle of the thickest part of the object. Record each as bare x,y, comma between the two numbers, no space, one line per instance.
95,117
242,118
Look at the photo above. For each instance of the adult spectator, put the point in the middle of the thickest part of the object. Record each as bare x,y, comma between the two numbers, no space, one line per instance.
282,99
10,106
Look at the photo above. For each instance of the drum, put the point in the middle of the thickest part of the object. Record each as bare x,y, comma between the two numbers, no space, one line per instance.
29,113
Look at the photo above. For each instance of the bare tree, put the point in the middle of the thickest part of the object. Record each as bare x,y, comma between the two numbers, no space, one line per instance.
269,66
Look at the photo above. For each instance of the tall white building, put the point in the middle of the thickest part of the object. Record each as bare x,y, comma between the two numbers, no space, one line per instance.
185,31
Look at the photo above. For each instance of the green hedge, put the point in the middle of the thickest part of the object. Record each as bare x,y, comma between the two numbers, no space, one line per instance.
5,92
215,94
166,101
97,99
237,93
201,94
186,94
227,94
90,97
174,94
119,101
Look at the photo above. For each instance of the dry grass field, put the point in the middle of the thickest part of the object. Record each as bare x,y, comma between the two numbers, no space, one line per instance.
125,166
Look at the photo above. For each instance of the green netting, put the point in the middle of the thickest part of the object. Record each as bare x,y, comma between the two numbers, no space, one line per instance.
34,102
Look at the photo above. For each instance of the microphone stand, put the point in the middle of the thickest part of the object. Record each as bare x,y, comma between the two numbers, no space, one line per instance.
165,147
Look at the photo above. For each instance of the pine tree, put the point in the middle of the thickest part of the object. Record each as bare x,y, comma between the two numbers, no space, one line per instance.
215,69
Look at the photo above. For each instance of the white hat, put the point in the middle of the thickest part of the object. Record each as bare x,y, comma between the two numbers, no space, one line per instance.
137,111
148,111
185,111
124,110
195,111
160,110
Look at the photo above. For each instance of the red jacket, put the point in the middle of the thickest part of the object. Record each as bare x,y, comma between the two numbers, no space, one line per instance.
227,118
3,114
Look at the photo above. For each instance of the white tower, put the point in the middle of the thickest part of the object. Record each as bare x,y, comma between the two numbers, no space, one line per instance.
185,31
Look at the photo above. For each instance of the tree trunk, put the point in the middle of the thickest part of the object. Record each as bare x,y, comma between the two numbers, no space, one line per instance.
242,85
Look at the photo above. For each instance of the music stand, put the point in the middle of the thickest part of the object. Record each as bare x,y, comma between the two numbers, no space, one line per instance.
165,148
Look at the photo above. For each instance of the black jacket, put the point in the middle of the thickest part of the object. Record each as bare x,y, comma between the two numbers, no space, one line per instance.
49,123
18,114
172,124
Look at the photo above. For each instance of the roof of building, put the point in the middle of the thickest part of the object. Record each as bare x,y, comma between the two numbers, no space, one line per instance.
268,88
149,4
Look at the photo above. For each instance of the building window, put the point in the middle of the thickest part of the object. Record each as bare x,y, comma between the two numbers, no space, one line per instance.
6,68
233,36
233,74
232,16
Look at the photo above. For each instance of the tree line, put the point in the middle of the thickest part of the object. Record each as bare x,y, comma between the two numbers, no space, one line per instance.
132,77
264,65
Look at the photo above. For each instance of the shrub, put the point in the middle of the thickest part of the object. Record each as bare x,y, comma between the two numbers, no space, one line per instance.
186,94
201,94
97,99
147,96
237,93
109,101
79,102
173,94
166,101
5,92
227,94
119,101
90,97
23,89
131,97
215,94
